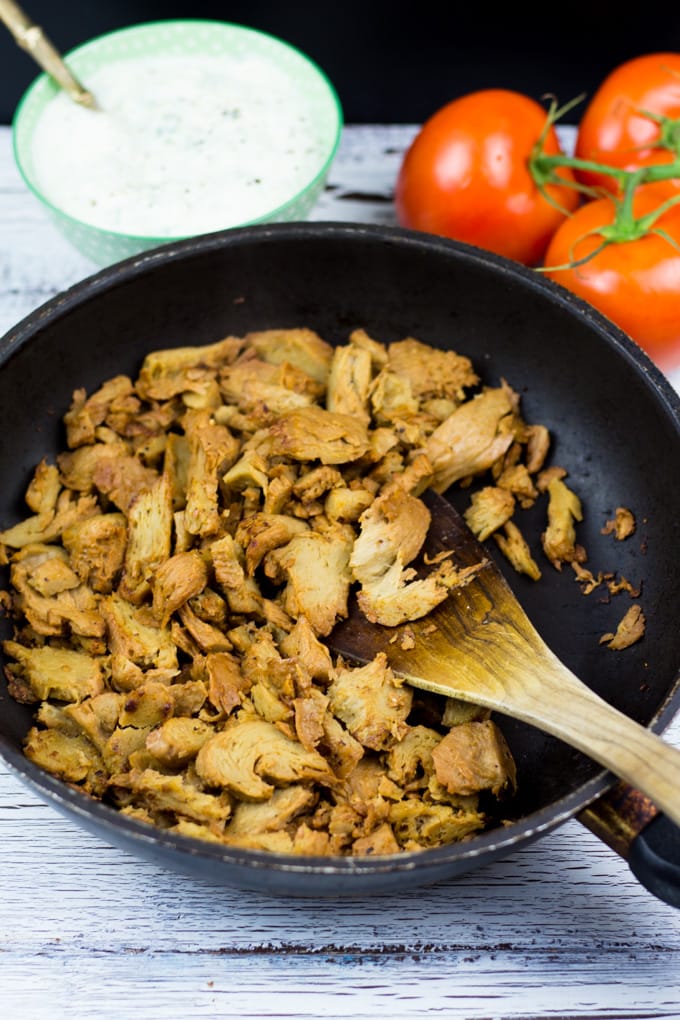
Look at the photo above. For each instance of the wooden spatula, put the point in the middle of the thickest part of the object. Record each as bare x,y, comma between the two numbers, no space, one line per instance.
479,645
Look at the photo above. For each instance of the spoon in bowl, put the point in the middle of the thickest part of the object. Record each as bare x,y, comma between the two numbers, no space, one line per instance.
32,38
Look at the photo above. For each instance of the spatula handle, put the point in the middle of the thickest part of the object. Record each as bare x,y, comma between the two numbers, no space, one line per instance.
574,713
638,756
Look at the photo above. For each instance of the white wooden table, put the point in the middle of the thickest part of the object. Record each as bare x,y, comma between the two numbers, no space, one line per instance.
559,929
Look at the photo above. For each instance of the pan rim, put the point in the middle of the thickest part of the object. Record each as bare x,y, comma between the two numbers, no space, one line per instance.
138,265
110,823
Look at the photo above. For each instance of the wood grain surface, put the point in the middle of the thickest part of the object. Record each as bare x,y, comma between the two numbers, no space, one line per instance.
560,929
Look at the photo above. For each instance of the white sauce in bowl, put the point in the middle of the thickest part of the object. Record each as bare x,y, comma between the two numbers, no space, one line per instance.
180,145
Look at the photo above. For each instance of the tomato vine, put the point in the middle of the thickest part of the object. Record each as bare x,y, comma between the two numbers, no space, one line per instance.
626,226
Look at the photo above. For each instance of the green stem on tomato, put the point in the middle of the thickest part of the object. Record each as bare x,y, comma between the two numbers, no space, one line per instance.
628,227
575,263
669,132
544,168
669,137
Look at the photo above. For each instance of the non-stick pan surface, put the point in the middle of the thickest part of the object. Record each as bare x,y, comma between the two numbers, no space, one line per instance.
614,419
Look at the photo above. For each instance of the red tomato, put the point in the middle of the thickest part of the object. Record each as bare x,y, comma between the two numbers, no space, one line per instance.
614,129
466,176
634,283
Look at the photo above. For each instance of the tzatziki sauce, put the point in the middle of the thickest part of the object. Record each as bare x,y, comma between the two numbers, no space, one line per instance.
179,145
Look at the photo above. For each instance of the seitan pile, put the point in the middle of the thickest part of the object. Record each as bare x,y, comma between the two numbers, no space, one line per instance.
199,537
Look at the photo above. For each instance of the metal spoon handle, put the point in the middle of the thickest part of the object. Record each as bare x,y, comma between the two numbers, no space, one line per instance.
32,39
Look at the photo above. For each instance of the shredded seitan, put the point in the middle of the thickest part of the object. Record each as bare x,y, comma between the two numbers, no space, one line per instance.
199,537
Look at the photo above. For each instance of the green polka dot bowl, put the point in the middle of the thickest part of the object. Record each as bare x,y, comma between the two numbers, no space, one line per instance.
252,140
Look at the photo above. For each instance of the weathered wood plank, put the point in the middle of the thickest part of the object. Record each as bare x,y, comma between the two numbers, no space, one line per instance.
457,985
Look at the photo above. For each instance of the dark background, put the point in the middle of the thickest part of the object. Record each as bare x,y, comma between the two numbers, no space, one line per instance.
393,62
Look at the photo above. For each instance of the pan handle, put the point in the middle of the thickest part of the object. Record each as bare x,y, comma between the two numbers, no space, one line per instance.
628,822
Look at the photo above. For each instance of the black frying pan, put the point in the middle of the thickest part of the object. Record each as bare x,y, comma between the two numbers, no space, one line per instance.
614,418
